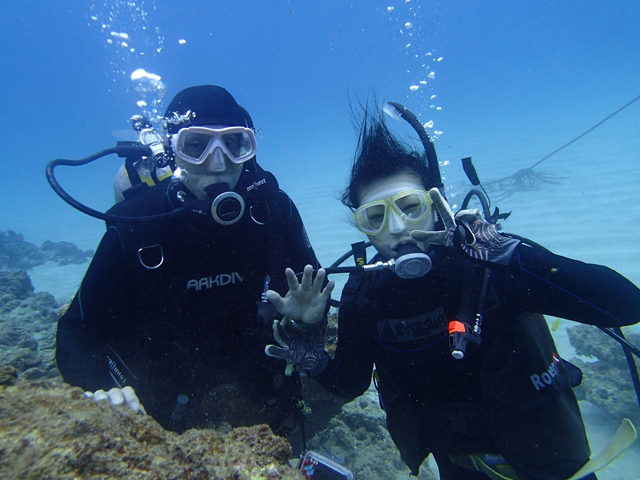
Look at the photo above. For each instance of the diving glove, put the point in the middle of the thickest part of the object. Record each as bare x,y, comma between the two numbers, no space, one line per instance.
467,229
301,347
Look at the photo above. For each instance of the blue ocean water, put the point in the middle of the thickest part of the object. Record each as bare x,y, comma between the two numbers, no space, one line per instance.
504,82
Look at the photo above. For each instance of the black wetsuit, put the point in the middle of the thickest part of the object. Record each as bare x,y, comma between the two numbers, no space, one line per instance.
190,326
512,395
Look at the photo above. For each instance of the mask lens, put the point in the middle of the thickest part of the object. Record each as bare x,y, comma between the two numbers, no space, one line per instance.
370,218
194,145
414,206
375,216
238,145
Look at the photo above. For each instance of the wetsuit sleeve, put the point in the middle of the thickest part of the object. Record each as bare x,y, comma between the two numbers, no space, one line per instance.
348,374
542,282
83,329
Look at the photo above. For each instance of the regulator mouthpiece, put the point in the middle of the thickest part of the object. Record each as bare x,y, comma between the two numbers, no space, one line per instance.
411,262
227,207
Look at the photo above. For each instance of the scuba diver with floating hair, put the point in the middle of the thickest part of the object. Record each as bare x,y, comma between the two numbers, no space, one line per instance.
173,302
463,360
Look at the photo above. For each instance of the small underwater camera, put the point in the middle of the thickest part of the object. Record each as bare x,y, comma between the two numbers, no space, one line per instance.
316,466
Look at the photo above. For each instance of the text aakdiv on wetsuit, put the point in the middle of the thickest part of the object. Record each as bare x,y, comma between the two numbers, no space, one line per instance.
169,307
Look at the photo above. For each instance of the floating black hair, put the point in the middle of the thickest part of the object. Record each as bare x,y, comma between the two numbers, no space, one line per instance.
380,154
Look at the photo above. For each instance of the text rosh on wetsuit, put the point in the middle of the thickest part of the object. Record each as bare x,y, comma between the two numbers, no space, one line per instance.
510,396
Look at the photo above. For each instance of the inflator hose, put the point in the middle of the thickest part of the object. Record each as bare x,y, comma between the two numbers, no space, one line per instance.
122,149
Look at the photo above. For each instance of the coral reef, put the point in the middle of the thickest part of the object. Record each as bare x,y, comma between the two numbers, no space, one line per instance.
16,253
606,382
50,430
358,437
27,327
331,334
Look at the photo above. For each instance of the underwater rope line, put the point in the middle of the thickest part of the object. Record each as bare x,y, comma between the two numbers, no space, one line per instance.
587,132
527,177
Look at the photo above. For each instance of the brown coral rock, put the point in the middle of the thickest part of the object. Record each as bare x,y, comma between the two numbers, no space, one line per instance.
52,431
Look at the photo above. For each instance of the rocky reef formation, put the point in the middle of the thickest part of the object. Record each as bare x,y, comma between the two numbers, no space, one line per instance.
50,430
17,253
358,437
606,382
27,327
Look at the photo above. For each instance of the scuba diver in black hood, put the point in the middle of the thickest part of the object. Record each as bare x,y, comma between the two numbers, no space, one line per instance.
462,357
173,302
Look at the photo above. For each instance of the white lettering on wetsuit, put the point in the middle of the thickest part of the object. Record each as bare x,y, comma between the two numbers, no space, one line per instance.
546,378
255,185
219,280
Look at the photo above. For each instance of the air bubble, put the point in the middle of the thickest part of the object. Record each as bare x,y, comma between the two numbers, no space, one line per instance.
143,82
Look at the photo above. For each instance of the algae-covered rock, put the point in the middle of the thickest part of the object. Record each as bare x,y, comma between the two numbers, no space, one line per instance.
15,284
27,327
17,253
358,437
51,431
65,253
606,382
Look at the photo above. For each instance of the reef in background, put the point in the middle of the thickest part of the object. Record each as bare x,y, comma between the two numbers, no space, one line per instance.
17,253
27,327
358,437
27,343
606,382
50,430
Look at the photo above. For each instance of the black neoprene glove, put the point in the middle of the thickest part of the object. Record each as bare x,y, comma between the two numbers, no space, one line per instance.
468,230
303,347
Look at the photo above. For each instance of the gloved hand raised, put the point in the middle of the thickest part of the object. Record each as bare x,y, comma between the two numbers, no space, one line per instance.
467,229
305,302
118,396
301,347
301,342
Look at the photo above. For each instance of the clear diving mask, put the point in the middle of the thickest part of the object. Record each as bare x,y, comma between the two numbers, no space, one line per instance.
195,144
